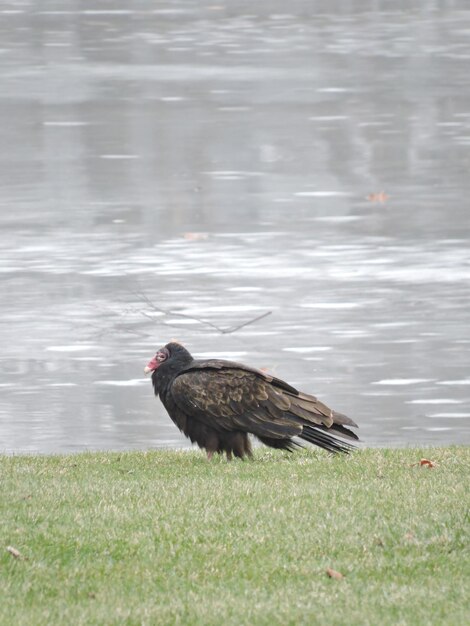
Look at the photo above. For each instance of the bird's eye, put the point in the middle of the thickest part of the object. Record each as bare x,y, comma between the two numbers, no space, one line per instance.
162,355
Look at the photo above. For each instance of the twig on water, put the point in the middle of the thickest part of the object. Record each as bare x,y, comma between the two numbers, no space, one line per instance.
223,330
232,329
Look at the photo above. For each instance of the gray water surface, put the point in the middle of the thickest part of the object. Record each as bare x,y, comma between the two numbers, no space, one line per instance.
221,161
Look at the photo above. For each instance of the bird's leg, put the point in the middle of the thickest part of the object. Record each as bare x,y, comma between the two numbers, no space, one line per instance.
211,445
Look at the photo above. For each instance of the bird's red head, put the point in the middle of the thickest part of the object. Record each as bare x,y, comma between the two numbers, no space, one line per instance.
157,360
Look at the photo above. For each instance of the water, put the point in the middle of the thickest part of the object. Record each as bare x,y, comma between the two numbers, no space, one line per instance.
225,161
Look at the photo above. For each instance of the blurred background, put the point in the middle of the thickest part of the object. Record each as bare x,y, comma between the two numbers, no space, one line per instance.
221,161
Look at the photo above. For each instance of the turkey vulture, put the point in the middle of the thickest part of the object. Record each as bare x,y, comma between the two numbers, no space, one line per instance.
217,403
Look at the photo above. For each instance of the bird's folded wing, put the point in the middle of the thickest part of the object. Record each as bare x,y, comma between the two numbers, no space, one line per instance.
235,398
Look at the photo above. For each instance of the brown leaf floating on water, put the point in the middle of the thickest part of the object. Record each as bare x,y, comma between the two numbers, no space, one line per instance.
378,197
195,236
332,573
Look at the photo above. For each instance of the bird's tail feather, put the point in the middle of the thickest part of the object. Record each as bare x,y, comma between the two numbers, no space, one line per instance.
284,444
341,418
341,431
325,440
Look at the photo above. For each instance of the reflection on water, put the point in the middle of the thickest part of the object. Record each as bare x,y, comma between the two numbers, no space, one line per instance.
222,162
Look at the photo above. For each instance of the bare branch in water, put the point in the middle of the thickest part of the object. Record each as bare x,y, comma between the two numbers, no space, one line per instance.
224,331
232,329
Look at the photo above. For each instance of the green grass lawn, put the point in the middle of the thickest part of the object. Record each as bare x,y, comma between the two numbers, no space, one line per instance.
169,538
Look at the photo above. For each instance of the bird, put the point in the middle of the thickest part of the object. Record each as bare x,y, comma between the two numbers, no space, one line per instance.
217,404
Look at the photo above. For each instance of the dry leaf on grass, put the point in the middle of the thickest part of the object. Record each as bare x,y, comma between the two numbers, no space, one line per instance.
14,552
378,197
424,463
427,463
332,573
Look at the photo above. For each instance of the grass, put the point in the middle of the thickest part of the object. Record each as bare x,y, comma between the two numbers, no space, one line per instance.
168,538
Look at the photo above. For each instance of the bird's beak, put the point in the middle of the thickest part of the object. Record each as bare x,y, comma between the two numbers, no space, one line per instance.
151,365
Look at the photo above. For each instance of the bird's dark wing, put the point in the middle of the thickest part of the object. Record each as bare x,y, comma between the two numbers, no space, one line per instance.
232,397
222,364
312,406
